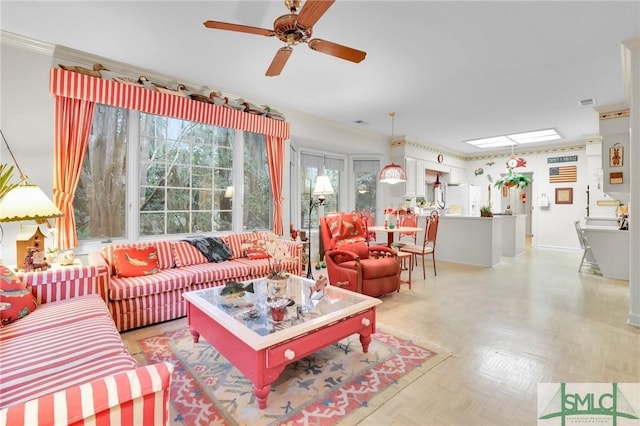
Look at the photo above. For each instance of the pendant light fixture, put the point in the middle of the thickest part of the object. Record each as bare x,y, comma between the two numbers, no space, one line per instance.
392,173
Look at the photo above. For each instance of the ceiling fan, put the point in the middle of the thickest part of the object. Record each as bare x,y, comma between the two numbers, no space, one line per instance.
295,28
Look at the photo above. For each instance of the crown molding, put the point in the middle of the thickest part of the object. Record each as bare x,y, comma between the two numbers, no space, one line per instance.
542,150
11,39
406,141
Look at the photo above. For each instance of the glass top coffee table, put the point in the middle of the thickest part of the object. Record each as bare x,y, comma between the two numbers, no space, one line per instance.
242,329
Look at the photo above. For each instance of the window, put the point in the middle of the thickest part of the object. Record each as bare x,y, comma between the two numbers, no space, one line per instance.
185,168
365,177
313,165
258,200
174,174
101,198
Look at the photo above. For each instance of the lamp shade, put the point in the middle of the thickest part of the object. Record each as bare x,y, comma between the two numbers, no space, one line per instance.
27,202
229,192
392,173
323,186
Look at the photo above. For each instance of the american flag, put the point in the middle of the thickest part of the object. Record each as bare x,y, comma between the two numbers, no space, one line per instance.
563,174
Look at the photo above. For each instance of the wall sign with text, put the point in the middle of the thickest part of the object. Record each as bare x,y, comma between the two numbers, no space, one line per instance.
564,159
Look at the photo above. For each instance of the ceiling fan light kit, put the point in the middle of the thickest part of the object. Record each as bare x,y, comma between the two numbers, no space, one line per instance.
295,28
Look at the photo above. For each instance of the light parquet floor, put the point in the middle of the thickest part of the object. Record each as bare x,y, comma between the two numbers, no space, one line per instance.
531,319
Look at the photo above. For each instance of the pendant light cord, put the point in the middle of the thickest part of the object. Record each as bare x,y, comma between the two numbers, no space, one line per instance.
393,115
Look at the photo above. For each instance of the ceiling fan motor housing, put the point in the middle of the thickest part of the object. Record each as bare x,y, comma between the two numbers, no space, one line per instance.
288,31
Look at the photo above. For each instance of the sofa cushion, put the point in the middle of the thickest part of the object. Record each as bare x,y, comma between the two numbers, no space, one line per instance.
52,315
262,267
165,280
186,254
235,242
255,248
60,353
16,301
212,272
163,249
136,261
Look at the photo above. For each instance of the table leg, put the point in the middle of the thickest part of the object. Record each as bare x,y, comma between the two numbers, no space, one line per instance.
194,334
389,238
261,395
365,341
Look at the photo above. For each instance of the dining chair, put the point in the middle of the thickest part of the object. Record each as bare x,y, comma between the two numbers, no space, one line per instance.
587,256
428,246
408,219
368,219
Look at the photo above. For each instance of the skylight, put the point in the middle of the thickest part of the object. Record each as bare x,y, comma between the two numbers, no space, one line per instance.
516,139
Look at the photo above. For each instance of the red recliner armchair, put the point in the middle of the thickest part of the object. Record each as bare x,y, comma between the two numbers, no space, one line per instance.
351,263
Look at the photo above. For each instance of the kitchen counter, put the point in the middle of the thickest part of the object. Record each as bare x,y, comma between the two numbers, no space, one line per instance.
610,247
470,239
513,234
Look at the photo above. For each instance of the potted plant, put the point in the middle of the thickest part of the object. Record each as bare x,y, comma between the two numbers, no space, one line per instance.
513,179
5,175
485,211
277,278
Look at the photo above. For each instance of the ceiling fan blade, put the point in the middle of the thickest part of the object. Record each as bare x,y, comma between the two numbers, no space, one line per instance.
281,58
311,11
239,28
337,50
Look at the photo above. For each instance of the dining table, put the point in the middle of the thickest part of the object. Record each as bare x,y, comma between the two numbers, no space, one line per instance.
395,230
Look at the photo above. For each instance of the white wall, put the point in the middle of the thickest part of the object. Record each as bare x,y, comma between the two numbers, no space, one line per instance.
26,119
555,228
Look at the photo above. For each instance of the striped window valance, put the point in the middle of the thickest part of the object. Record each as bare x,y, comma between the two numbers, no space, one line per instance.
79,86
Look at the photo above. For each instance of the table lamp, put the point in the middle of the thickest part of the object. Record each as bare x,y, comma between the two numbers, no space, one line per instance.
25,202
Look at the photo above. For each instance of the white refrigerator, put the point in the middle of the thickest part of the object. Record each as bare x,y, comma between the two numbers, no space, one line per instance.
463,199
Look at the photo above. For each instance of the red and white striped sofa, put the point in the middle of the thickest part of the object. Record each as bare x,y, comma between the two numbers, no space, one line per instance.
140,301
65,362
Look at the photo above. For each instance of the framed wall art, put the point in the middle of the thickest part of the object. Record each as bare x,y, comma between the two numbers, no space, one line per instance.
616,156
564,195
615,178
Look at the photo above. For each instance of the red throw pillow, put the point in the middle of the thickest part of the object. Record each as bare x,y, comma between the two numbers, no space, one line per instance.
255,249
347,227
136,261
16,301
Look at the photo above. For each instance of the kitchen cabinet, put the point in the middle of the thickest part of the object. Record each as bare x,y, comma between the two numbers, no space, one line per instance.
410,165
457,176
420,178
415,184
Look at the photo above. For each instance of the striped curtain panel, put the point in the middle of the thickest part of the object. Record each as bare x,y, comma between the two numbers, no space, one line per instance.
73,120
275,156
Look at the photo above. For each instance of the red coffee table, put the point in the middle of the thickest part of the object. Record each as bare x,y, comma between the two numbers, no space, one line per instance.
261,348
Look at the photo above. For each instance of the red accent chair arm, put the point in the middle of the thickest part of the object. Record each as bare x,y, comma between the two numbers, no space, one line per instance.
339,256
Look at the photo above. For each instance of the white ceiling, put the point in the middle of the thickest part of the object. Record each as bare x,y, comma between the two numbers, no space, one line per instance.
451,71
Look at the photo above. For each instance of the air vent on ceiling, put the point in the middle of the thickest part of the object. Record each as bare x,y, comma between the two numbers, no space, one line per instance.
587,102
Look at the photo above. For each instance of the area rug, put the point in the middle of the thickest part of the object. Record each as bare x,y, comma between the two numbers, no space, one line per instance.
337,384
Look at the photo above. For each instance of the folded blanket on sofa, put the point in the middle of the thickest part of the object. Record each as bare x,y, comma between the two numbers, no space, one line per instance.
213,248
